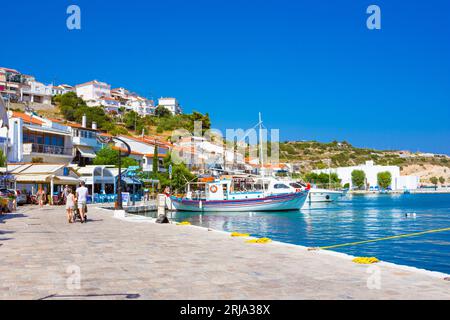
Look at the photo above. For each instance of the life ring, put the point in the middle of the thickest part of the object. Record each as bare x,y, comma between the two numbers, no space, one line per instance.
213,189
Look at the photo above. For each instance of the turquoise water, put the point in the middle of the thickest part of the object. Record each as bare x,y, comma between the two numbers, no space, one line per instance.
355,218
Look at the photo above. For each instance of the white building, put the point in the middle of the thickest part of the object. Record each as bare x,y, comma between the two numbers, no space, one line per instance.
140,105
62,89
32,139
371,170
199,152
142,150
170,104
93,91
35,92
111,105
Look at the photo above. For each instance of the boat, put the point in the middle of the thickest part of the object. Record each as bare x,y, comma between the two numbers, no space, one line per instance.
232,195
324,195
318,194
241,193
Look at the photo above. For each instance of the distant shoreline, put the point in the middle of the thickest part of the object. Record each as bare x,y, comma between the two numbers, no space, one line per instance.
418,191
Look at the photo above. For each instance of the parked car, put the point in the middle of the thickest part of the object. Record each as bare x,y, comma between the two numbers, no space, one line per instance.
21,197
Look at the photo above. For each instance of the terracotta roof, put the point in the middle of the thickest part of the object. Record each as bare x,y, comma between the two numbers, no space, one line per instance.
160,155
125,150
149,140
91,82
9,70
27,118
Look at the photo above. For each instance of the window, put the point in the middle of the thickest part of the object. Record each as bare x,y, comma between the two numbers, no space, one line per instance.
280,186
296,185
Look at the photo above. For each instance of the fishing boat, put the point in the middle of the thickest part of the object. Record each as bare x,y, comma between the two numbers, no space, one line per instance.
241,193
231,195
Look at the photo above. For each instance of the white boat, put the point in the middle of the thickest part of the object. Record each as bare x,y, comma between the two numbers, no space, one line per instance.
224,195
324,195
318,194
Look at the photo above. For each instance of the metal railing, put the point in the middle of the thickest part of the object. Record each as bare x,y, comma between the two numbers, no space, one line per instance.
49,149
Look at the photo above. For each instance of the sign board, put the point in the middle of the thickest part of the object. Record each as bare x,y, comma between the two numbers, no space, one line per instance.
125,198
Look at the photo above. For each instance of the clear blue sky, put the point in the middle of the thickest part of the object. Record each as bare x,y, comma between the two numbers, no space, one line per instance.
311,67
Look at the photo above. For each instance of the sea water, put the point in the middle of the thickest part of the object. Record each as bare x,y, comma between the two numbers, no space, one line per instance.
354,218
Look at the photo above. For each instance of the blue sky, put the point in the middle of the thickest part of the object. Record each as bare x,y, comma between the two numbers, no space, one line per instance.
311,67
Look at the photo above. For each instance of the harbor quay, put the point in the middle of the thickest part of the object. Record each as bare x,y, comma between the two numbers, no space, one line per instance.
44,257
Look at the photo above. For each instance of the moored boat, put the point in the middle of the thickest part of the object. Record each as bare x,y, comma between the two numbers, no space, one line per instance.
324,195
223,195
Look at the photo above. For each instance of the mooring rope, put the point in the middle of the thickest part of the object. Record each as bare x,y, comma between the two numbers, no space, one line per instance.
385,238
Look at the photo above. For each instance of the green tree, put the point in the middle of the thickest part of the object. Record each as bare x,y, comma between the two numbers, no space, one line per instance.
358,178
155,160
434,180
2,159
441,180
163,112
323,179
384,179
108,156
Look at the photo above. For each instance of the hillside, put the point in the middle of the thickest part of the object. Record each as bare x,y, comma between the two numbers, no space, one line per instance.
310,155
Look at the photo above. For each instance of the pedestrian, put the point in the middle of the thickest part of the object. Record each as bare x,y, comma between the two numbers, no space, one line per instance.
40,197
81,194
66,192
70,204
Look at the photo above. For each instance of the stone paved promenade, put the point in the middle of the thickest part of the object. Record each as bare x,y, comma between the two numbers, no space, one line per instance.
121,259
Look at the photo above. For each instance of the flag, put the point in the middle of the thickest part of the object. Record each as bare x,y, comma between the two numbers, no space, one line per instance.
4,122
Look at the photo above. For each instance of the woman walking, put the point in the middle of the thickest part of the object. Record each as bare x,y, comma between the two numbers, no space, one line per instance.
40,197
70,205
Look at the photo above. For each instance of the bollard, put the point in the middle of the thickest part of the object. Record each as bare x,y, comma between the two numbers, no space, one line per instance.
161,203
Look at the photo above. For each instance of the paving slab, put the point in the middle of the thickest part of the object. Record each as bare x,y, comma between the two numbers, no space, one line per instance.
44,257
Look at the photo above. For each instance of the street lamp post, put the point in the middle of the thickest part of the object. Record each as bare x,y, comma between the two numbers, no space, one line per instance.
106,140
119,183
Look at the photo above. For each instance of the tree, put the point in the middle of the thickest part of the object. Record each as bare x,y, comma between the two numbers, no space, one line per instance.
441,180
163,112
108,156
434,180
384,179
155,160
358,178
2,159
323,179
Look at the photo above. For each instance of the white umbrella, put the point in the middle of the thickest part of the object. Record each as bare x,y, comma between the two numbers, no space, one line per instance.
3,114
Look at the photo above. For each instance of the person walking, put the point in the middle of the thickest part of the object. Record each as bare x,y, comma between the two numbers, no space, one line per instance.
40,195
66,192
70,205
82,193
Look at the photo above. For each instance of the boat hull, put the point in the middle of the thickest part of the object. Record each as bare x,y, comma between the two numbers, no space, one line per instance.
282,202
323,195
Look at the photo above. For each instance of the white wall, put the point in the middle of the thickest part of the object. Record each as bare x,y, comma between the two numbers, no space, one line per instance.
371,170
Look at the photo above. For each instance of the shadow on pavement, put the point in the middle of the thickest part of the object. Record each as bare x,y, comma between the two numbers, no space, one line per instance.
87,296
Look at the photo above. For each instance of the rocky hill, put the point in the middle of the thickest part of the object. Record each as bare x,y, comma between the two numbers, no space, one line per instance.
309,155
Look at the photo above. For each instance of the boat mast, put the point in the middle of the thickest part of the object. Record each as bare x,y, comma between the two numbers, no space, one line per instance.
261,158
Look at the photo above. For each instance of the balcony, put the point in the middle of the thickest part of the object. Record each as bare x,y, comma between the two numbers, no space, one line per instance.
29,148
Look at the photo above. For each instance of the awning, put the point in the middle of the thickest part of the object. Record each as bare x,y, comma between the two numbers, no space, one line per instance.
46,179
66,180
86,152
32,178
129,180
46,130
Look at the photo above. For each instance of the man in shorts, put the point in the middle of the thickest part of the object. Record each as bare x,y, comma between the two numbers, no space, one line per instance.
82,194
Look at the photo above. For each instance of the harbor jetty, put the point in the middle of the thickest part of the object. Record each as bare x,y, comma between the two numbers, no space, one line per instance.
44,257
